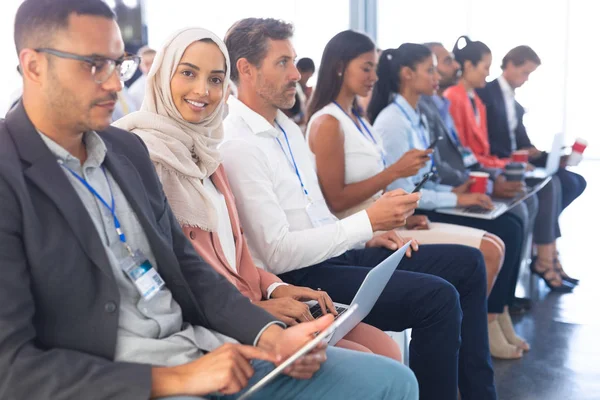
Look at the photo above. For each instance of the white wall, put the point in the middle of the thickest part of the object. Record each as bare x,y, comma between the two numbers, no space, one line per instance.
315,21
558,96
9,78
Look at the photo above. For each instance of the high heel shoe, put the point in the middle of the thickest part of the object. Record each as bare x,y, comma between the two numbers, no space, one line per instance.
552,279
562,273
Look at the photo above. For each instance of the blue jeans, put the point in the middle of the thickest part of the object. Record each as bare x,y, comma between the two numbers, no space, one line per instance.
439,292
345,375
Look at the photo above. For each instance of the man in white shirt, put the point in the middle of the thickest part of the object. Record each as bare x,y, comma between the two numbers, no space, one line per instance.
291,232
137,90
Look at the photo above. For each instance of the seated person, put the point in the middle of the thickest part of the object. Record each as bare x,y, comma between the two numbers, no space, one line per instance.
507,132
137,90
405,74
470,118
102,295
291,232
196,185
454,161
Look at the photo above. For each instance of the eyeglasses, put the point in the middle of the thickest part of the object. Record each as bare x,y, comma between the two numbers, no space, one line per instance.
102,67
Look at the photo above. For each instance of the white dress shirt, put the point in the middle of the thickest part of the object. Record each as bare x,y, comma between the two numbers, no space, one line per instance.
511,110
271,202
402,128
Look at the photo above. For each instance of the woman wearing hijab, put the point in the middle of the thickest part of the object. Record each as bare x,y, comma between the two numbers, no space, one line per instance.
181,123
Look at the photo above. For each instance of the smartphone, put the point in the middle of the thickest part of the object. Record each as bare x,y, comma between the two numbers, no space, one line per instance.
419,186
432,144
304,350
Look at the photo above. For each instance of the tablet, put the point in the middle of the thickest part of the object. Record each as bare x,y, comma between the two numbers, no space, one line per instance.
303,351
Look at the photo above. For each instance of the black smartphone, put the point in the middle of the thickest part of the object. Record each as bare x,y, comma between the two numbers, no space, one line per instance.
419,186
432,144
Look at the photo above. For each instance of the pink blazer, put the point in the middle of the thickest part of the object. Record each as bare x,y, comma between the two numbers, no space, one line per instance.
250,280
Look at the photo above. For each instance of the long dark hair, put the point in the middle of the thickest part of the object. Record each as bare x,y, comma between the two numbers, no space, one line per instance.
388,71
472,51
339,52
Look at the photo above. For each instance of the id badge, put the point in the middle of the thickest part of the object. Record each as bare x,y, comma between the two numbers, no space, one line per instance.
468,157
142,274
319,214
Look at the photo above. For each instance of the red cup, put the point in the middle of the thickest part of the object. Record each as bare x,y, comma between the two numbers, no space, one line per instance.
521,156
480,181
580,145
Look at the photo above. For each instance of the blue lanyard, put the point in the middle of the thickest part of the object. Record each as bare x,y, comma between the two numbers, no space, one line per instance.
110,207
366,129
293,159
419,128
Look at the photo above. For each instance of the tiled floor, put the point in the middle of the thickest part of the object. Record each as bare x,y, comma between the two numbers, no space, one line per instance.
564,330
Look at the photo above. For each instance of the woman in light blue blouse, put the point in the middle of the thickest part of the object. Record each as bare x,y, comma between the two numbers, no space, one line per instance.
404,75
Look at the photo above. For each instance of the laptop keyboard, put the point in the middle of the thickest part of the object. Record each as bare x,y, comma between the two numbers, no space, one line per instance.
317,312
481,210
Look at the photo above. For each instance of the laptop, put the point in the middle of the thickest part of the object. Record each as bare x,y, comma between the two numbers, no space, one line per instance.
553,161
500,206
367,294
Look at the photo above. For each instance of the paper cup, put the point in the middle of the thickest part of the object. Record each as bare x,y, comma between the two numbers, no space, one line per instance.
480,182
521,156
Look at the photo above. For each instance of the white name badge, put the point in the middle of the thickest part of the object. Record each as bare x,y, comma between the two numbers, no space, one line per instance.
142,274
319,214
468,157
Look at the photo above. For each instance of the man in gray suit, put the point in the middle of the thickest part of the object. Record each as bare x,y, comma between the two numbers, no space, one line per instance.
102,296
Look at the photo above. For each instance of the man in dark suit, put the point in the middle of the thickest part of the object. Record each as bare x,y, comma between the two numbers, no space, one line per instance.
506,130
102,296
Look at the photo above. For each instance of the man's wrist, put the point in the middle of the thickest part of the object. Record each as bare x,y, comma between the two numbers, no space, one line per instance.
167,382
269,337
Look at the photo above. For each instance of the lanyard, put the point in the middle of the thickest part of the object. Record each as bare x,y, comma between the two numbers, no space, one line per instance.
366,129
293,161
420,129
110,207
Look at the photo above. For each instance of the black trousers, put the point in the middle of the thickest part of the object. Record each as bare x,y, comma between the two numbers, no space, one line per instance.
511,230
440,293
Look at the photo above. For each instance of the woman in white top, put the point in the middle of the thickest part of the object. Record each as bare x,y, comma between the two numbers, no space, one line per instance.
350,161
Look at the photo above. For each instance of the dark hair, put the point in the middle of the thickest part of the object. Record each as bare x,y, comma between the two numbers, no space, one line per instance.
390,63
37,20
305,65
471,51
339,52
249,39
520,55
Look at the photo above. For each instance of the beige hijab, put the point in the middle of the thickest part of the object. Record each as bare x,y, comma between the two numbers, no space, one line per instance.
183,153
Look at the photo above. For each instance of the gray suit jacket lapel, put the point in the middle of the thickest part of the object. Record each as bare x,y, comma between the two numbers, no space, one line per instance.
47,175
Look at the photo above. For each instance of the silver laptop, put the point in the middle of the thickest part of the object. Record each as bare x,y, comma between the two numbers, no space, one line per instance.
500,205
553,161
367,294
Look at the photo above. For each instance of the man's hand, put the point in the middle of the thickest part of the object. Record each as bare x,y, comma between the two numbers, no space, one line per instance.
534,153
563,161
286,309
475,199
464,188
417,223
392,209
506,189
390,240
225,370
305,294
284,343
410,163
